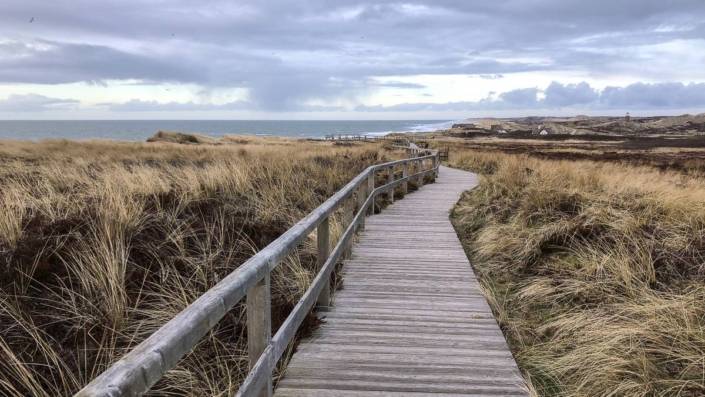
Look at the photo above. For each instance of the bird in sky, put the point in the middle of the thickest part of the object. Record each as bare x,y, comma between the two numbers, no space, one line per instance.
31,20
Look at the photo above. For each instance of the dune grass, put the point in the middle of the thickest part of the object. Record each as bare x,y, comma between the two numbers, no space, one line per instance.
596,272
103,242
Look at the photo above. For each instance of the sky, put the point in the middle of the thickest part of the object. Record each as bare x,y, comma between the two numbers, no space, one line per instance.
324,59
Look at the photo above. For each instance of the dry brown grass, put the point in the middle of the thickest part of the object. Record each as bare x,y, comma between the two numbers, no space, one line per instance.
103,242
596,272
684,154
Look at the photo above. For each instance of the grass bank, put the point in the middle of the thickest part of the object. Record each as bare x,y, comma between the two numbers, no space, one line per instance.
684,154
103,242
596,271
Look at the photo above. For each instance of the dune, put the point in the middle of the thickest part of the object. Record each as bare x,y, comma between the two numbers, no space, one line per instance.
182,138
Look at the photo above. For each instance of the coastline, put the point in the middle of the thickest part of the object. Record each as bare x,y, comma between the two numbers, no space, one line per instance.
140,130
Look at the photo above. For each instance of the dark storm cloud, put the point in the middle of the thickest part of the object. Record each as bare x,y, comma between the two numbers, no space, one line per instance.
289,53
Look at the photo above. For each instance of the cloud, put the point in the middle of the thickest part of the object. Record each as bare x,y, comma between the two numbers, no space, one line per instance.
638,96
51,62
35,103
137,105
398,84
520,98
287,54
418,107
641,96
559,95
654,96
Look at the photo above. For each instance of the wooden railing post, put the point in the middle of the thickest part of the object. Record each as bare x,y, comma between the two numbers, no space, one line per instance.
361,197
390,179
323,235
259,326
433,166
404,174
370,189
436,163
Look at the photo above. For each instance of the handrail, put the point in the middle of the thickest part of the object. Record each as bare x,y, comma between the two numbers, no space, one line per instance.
144,365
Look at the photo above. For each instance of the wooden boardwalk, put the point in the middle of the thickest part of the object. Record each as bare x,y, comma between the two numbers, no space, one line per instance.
410,319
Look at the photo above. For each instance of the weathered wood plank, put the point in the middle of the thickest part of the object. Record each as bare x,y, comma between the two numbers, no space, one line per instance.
439,387
311,392
410,319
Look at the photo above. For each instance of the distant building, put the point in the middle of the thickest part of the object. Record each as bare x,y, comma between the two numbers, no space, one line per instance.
544,132
536,129
464,126
628,117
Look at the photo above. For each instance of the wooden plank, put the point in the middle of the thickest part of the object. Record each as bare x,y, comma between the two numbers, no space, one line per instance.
388,385
468,313
312,392
410,319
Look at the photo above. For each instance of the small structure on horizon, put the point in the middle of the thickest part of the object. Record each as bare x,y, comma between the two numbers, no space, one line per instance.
540,130
628,117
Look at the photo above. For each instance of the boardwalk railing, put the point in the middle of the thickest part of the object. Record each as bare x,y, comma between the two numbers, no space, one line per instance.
358,137
354,137
142,367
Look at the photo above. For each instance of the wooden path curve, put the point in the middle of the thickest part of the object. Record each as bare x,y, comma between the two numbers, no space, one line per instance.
410,319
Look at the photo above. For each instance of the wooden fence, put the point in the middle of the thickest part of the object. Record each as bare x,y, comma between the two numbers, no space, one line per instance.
353,137
443,153
142,367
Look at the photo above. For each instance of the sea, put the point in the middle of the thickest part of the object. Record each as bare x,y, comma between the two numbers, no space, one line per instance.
139,130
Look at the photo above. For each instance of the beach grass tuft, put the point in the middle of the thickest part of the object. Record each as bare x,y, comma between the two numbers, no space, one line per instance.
103,242
595,271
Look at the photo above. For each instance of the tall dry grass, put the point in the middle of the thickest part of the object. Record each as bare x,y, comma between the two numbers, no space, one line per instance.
103,242
596,272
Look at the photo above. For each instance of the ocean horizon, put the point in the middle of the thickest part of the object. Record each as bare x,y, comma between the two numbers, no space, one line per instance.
139,130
